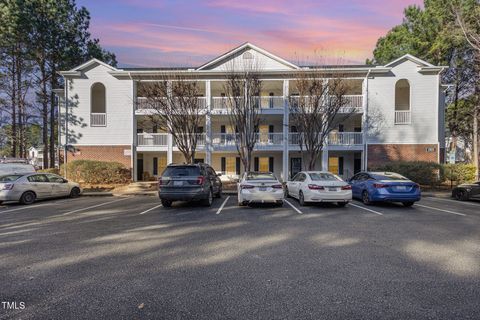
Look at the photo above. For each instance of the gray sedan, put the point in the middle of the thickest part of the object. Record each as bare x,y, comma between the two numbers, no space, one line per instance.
26,188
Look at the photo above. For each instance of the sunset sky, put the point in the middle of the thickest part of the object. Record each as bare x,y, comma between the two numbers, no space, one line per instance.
147,33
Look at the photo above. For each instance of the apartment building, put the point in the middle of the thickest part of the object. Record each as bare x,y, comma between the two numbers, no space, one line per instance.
398,115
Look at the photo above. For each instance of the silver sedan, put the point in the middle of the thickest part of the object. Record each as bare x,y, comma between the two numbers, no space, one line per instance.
27,188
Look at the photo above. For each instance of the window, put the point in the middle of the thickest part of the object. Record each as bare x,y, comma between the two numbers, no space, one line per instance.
155,166
260,176
263,164
402,102
247,56
38,178
323,177
98,105
54,178
333,165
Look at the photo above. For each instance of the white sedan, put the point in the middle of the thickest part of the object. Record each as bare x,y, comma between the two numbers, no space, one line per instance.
259,187
319,186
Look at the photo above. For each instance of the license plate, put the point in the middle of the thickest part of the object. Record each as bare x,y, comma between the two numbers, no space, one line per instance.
177,183
332,189
401,188
263,188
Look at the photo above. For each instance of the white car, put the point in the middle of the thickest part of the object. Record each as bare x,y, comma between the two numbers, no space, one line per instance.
26,188
259,187
319,186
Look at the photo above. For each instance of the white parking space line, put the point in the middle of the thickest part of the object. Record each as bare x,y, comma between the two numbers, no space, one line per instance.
223,204
357,206
294,208
95,206
26,207
454,201
148,210
443,210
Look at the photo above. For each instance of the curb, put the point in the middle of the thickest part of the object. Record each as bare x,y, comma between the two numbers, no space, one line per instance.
97,194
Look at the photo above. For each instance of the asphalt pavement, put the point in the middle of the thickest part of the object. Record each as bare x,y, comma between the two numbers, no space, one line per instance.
128,257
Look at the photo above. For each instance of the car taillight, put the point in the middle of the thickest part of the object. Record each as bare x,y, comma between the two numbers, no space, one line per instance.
8,186
246,186
347,187
200,180
416,185
380,185
277,186
315,187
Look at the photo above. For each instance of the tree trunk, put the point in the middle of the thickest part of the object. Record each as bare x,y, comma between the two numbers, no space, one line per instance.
20,104
13,134
475,141
44,114
52,120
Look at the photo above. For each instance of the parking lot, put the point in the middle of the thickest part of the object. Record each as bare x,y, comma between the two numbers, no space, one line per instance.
128,257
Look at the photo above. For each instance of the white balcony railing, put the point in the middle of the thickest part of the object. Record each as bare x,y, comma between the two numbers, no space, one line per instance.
152,139
353,103
145,104
345,138
224,139
263,139
201,139
269,138
334,138
402,117
98,119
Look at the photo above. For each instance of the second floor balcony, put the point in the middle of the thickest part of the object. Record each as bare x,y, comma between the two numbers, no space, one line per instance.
264,141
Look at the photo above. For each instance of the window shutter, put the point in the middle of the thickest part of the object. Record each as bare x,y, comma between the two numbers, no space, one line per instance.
270,164
341,128
222,130
223,165
255,164
270,128
340,165
155,166
237,165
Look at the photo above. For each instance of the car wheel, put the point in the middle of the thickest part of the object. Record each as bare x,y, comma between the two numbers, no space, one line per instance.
208,202
461,195
408,204
75,192
366,198
166,203
341,204
301,198
28,197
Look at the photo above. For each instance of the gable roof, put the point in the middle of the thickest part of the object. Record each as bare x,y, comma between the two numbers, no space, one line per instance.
411,58
90,62
247,45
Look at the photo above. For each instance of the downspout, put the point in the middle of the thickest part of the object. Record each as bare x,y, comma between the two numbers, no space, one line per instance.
366,124
133,149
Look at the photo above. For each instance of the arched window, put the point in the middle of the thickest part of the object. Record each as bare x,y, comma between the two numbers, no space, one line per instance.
247,56
402,102
402,95
98,105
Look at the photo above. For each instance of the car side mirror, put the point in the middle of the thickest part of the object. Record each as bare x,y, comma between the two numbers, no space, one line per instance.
64,181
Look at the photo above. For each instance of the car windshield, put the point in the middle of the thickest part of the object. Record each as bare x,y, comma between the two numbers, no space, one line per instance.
323,176
260,176
10,168
388,176
186,171
10,178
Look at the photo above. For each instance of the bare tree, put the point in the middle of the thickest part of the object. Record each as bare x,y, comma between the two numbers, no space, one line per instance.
470,26
175,103
316,108
242,90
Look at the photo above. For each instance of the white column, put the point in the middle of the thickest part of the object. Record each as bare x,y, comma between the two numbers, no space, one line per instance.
208,124
365,123
325,159
286,113
169,135
133,155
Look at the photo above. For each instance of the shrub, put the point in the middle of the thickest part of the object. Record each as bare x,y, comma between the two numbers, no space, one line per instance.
459,172
422,172
97,172
50,170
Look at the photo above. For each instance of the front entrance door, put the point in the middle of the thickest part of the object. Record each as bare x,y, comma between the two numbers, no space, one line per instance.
295,166
357,165
139,169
